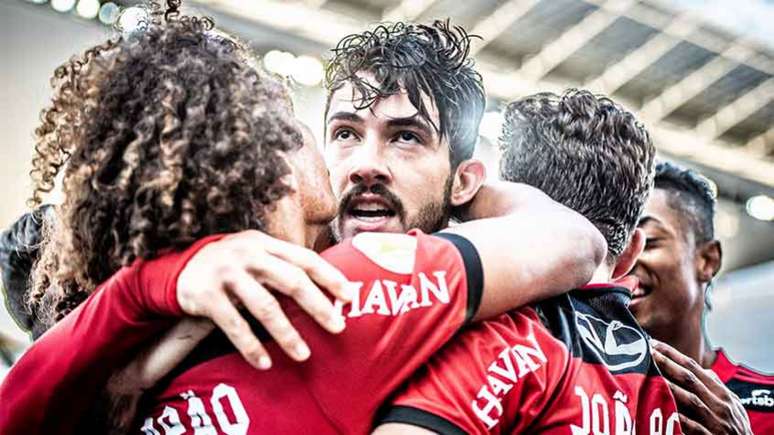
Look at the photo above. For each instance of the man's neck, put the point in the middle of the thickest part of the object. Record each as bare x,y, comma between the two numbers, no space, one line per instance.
602,275
690,341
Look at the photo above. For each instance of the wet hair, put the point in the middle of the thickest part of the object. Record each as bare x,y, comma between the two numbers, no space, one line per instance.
165,135
692,194
584,151
422,60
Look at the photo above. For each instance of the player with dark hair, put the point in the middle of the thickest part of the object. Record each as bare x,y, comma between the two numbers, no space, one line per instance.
19,250
577,363
675,270
404,105
222,152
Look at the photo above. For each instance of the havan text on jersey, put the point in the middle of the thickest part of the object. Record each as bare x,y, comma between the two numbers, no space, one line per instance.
388,298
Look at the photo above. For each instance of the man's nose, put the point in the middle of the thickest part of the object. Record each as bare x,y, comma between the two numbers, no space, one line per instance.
369,166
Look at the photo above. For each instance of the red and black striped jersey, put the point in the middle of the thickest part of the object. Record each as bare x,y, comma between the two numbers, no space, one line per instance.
755,390
577,364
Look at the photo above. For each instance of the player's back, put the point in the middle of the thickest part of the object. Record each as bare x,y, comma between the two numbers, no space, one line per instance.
414,293
577,363
611,384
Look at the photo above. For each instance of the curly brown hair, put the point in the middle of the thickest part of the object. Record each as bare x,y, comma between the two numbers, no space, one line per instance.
166,135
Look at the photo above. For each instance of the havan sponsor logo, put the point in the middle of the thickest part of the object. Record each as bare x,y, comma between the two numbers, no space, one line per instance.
388,298
512,364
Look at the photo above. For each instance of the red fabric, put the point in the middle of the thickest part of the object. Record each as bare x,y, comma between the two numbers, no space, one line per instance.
755,389
512,375
338,390
100,334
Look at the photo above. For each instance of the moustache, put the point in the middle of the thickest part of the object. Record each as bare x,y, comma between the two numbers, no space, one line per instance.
379,189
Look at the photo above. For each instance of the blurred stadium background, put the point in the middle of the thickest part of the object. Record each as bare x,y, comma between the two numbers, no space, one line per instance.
699,72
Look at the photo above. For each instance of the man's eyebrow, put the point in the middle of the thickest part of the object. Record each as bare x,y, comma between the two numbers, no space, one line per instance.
646,219
345,116
412,121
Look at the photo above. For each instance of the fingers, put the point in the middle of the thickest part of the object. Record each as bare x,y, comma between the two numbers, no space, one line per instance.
227,318
265,308
690,427
319,270
689,403
705,379
294,282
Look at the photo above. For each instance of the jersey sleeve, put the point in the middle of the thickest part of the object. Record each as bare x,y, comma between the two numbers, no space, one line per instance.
495,377
52,385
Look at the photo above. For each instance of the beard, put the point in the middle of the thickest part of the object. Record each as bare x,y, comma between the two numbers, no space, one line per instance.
431,217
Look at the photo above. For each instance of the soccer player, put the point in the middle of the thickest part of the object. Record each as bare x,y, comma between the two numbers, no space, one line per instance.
142,180
577,363
680,259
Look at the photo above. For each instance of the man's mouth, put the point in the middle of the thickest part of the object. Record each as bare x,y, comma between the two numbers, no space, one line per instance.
372,212
641,291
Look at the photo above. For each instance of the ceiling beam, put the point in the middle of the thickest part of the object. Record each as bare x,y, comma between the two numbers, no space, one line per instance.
762,144
741,108
408,10
693,84
493,25
555,52
619,73
761,63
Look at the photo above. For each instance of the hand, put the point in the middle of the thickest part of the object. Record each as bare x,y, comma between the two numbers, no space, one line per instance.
705,405
117,410
237,271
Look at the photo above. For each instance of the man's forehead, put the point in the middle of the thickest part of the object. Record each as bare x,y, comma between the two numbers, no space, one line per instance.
658,213
347,99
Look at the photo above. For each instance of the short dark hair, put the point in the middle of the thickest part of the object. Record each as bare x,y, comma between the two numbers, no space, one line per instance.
691,193
585,152
422,60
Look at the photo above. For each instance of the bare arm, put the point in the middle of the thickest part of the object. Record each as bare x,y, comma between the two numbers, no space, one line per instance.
531,247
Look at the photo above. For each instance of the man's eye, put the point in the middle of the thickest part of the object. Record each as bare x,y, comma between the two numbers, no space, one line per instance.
651,243
408,137
344,134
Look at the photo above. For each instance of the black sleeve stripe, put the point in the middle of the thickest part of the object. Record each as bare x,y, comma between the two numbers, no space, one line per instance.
420,418
473,271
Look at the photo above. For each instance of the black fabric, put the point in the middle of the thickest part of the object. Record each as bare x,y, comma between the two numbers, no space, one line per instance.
420,418
19,248
754,396
474,272
603,311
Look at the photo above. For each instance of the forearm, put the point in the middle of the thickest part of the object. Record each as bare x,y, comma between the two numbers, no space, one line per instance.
52,385
532,247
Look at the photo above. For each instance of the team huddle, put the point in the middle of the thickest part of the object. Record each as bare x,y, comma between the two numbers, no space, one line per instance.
210,270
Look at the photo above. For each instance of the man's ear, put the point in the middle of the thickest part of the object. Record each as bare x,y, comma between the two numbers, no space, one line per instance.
709,258
468,178
629,256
